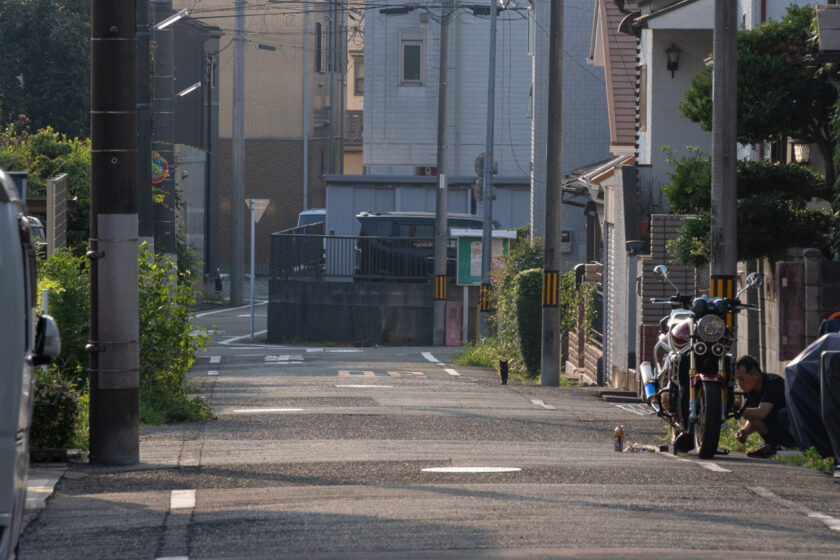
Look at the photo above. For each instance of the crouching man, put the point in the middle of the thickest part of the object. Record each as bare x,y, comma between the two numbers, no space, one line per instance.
765,408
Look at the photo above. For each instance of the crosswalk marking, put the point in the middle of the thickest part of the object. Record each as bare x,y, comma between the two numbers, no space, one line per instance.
182,499
636,408
215,359
285,358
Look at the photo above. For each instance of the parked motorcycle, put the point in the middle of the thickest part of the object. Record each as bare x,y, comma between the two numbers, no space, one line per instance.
693,384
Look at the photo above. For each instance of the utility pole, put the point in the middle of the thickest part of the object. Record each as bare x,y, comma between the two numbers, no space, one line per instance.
332,58
237,203
487,194
145,204
305,104
114,321
163,135
550,357
441,229
724,233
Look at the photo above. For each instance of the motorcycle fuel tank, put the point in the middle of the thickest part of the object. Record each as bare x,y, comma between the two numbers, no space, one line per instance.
680,335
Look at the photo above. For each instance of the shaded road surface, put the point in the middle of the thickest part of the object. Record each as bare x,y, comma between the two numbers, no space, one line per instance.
319,452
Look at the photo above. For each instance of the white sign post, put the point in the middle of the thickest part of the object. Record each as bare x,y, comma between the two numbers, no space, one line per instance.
257,207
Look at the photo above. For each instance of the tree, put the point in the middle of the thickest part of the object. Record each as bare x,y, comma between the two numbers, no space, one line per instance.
772,208
782,89
45,64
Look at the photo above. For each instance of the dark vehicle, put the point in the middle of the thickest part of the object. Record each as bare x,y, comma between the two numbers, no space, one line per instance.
26,341
400,245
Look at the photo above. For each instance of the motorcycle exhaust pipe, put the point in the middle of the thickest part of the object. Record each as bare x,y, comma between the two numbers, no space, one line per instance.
646,372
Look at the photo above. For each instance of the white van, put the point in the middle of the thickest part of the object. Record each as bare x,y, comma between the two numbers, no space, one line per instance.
25,342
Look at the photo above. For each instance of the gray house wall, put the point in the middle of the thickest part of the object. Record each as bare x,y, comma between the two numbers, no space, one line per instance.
400,121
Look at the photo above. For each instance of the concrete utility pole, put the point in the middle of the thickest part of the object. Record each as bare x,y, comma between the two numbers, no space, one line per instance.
114,322
305,104
145,204
237,202
550,359
724,233
487,194
163,135
441,230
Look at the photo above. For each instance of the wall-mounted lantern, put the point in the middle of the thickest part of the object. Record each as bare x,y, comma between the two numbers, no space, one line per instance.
673,53
801,151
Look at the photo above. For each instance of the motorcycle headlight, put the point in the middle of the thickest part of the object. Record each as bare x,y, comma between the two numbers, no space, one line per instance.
710,328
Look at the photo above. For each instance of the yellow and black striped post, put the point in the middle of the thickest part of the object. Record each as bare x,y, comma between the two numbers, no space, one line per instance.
485,297
723,286
440,287
551,288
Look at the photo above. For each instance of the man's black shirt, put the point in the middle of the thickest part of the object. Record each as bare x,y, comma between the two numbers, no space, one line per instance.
773,392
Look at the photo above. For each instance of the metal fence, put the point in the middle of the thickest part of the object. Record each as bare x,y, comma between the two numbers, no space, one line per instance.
353,258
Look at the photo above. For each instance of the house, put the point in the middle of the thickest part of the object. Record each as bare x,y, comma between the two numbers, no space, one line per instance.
662,45
276,39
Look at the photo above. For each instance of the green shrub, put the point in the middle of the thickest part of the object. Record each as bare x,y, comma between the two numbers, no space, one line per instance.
167,343
67,279
55,413
527,297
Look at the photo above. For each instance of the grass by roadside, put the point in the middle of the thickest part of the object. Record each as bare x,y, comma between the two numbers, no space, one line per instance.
809,458
487,354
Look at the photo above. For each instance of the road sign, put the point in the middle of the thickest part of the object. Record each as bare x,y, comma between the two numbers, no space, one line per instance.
260,204
160,169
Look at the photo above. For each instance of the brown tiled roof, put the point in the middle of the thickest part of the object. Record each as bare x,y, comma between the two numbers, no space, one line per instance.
620,71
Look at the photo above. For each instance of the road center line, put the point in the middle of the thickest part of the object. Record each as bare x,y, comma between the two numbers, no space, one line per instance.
213,372
542,404
182,499
831,522
367,386
215,359
429,357
451,371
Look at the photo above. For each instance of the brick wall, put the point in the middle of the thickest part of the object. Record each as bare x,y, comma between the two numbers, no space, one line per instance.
273,170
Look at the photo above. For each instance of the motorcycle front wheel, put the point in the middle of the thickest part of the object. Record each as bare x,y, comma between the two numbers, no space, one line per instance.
707,426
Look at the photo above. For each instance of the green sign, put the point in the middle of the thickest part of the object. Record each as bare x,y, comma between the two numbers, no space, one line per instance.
469,256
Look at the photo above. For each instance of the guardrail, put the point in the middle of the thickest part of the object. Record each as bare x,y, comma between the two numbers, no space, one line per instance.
354,258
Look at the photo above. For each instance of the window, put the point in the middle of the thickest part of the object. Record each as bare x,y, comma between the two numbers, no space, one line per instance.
321,50
412,57
358,75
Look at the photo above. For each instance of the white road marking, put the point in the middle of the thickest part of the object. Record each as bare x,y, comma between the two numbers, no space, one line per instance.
264,410
173,558
451,371
471,469
636,408
285,358
182,499
248,315
831,522
708,465
215,359
367,386
213,372
542,404
343,350
429,357
235,338
214,312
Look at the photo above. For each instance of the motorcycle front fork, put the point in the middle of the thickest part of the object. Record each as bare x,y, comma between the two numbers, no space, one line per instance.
692,389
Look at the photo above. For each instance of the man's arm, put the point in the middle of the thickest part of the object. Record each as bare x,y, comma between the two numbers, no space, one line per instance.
759,412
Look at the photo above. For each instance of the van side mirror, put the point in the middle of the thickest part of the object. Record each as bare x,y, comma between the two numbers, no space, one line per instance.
47,341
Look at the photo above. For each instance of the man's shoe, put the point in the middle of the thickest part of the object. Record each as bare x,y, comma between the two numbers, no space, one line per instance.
763,452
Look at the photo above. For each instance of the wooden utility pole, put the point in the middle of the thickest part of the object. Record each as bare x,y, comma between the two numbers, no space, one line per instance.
724,233
550,359
114,321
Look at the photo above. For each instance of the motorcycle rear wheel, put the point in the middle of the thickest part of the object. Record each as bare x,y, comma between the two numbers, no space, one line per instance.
707,426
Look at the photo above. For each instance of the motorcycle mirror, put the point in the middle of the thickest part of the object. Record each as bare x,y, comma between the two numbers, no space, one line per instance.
755,279
661,271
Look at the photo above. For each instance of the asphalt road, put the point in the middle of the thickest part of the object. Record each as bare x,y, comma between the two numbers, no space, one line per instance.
319,452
